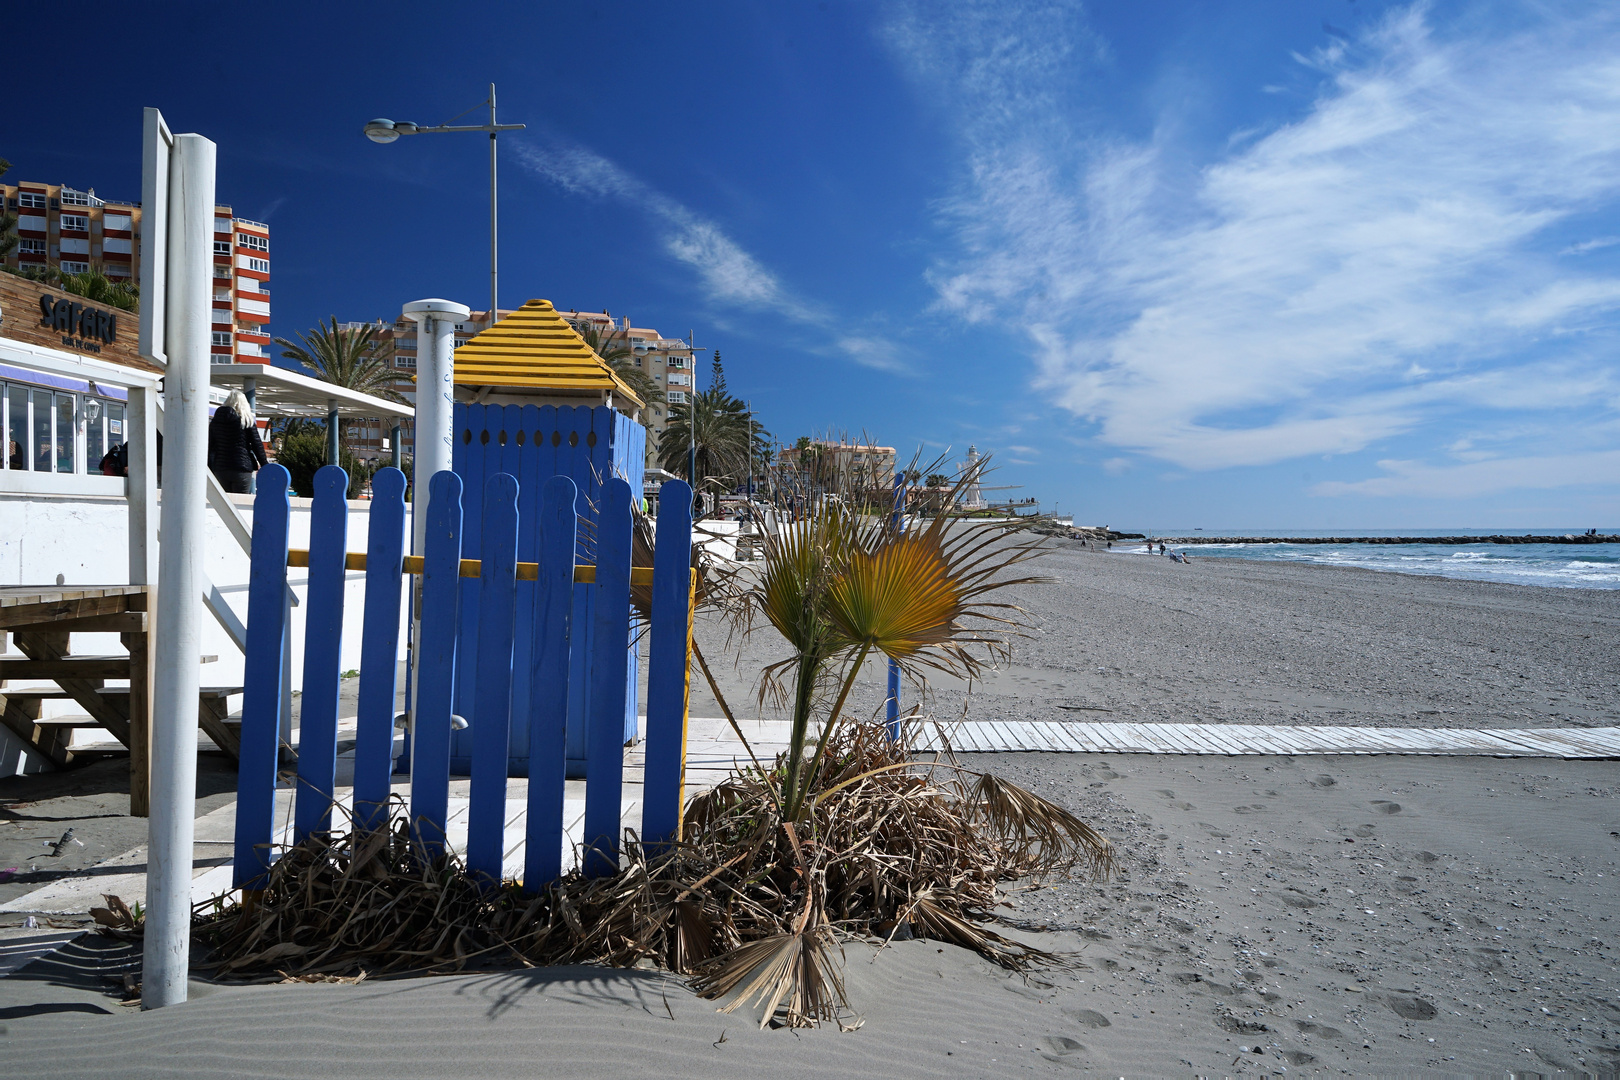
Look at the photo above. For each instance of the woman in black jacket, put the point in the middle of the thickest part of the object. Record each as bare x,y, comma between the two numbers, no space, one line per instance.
235,451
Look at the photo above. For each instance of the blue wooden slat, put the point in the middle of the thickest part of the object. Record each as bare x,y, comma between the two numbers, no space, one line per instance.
617,465
492,716
261,679
573,460
379,650
548,704
526,469
604,776
472,424
435,688
667,667
323,644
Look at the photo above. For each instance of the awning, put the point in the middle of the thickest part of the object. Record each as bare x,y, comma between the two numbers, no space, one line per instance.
279,391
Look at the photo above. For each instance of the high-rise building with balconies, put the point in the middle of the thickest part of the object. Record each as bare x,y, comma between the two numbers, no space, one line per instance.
667,361
72,231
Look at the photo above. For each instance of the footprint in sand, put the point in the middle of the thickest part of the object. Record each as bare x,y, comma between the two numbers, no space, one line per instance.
1323,781
1365,830
1384,806
1321,1031
1298,1057
1294,900
1255,809
1088,1017
1062,1050
1426,857
1411,1008
1213,831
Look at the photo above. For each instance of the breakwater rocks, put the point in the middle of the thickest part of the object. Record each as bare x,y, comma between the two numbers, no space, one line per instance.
1527,538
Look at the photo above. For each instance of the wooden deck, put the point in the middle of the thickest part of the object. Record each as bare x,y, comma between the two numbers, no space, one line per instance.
712,747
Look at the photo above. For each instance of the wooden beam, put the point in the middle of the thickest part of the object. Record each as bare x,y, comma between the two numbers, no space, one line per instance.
471,568
68,667
51,612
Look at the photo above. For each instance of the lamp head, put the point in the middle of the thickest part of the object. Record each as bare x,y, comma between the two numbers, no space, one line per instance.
381,131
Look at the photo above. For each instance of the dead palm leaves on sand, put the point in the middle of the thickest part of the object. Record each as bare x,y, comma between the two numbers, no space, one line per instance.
752,907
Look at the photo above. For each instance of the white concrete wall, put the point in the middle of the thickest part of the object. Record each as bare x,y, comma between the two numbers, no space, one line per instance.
84,539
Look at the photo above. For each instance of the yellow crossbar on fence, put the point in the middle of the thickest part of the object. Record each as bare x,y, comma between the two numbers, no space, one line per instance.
526,571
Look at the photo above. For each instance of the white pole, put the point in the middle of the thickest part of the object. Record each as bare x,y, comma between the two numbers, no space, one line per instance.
435,433
177,638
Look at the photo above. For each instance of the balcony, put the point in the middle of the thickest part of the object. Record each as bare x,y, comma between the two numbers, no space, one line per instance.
246,307
253,224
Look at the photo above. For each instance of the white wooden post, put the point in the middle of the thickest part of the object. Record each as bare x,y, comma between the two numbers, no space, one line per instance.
177,637
140,423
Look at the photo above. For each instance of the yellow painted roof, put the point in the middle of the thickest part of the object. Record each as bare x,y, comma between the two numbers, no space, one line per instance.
535,348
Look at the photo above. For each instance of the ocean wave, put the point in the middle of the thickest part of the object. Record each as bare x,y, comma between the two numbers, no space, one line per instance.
1546,565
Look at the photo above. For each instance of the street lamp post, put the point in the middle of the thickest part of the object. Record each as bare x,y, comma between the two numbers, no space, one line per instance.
386,131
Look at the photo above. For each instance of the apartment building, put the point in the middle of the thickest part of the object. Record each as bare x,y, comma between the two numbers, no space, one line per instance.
842,465
667,360
73,231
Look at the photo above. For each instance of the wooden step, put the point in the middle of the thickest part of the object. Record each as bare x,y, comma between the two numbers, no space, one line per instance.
68,667
68,722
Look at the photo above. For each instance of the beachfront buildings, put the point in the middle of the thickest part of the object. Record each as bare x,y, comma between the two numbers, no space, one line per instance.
841,465
668,361
70,231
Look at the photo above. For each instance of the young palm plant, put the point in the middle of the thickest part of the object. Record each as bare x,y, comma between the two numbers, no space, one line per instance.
840,586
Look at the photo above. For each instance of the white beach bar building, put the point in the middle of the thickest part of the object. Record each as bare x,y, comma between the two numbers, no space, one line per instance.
73,388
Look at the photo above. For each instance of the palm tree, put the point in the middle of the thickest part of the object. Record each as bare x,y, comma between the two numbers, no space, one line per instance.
723,439
619,356
347,358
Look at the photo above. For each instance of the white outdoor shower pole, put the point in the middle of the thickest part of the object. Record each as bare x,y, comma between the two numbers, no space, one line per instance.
435,434
435,398
177,634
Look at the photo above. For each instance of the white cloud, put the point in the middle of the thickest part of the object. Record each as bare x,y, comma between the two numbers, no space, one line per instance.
729,274
1411,478
1384,259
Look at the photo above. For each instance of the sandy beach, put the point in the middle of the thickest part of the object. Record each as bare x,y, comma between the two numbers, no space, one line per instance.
1364,915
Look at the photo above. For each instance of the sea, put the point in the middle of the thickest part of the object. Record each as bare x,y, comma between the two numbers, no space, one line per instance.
1564,566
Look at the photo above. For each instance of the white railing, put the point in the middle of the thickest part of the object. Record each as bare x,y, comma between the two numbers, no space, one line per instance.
252,224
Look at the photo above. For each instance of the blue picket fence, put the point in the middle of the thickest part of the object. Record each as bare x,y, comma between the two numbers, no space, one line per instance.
533,443
470,649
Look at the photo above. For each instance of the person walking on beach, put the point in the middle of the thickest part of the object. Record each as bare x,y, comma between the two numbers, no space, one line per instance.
235,451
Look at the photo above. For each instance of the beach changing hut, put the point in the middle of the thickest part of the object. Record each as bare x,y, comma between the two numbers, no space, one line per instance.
533,400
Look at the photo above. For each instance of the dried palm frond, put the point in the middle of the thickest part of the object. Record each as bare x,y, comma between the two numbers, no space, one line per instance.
1041,832
751,904
794,969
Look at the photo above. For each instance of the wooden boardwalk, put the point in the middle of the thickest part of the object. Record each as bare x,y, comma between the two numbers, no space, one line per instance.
997,736
712,747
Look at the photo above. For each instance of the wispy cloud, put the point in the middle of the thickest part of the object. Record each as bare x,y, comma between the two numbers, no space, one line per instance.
730,275
1414,478
728,272
1383,260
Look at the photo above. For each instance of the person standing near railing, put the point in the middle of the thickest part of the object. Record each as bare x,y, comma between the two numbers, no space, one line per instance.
235,451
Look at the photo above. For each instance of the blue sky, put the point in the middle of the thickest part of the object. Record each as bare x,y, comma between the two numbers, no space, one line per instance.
1310,263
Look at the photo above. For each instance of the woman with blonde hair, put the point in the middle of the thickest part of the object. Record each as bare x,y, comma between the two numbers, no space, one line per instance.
235,451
